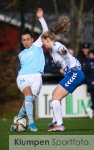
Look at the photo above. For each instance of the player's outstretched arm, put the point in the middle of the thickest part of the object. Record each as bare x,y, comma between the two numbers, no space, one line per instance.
41,19
39,14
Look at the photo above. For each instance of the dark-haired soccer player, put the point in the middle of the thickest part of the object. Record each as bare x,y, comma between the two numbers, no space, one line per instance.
32,63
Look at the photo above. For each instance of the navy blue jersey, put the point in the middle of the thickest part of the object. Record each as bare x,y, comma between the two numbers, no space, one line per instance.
88,68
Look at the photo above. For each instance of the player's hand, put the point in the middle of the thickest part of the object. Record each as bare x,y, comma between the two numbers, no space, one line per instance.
62,52
39,13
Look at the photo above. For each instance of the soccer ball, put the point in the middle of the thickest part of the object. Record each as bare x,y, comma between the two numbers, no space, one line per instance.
19,124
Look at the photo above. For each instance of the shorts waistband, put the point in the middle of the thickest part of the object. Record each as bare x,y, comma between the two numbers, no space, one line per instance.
75,68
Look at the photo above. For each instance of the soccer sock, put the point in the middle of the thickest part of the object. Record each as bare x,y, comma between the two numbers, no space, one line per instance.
57,111
29,108
54,120
22,112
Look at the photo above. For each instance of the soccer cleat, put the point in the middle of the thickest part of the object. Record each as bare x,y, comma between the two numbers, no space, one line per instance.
90,113
52,124
32,127
57,128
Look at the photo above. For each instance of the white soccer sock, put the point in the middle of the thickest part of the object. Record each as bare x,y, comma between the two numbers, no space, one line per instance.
54,120
57,111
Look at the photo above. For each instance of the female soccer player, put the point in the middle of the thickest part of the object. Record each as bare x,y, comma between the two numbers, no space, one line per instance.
71,66
32,63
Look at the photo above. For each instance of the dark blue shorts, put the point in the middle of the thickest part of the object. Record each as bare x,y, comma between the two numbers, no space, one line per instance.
72,80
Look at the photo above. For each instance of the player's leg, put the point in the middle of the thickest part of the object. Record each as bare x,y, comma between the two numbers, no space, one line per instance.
22,111
35,86
24,83
29,107
28,103
21,83
67,85
58,94
90,110
53,122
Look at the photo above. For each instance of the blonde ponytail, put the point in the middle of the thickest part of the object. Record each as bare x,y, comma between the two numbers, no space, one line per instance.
63,25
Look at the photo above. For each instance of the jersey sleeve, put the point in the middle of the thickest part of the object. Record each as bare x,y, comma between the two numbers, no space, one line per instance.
43,24
38,42
59,47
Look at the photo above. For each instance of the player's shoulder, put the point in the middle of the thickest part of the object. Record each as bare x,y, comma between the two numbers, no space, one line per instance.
36,44
36,47
57,43
22,52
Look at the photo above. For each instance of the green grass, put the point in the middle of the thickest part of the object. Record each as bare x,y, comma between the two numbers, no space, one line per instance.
74,126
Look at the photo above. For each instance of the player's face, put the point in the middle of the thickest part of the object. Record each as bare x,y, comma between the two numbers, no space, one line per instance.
27,40
85,51
47,43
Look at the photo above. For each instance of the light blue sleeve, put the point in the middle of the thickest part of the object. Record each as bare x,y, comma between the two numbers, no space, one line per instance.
38,42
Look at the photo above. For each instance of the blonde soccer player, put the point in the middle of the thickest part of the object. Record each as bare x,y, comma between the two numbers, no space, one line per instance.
71,66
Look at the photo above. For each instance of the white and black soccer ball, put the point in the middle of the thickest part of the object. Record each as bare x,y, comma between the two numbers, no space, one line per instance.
19,124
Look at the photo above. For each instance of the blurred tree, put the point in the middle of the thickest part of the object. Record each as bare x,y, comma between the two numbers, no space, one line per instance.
8,71
78,11
77,17
56,8
21,7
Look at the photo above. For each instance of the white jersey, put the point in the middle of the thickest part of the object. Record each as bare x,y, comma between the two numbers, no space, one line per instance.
66,61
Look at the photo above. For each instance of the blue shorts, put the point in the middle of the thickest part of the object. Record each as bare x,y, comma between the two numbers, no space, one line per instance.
72,80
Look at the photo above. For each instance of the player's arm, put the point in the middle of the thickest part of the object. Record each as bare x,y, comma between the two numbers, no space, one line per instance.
42,20
61,49
39,14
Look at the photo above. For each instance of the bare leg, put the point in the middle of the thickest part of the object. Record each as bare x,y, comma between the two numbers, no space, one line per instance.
59,93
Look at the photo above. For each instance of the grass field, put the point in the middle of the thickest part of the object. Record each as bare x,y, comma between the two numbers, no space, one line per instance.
77,126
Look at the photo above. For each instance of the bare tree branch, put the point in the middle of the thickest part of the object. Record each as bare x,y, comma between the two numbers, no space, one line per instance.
80,12
55,7
12,4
